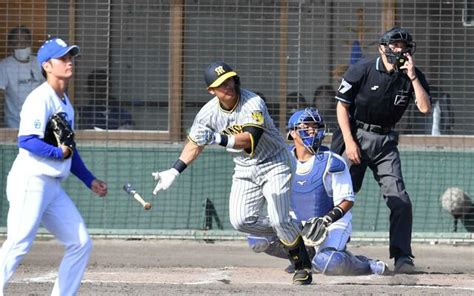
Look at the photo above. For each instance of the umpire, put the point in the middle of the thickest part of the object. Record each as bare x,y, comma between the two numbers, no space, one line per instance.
372,98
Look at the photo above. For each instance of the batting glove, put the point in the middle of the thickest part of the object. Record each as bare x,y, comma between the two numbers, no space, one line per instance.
165,179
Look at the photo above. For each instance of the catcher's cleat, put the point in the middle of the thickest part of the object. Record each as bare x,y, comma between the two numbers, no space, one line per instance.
378,267
302,277
290,268
404,264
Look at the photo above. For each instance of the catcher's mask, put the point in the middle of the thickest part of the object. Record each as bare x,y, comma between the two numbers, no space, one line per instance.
310,126
218,72
397,34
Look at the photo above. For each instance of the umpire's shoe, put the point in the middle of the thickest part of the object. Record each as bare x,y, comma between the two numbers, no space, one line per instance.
404,264
302,277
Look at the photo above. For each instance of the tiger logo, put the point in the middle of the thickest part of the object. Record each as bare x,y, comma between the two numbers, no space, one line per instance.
257,116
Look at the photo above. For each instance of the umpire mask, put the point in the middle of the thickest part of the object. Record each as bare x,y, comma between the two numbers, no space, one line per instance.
397,34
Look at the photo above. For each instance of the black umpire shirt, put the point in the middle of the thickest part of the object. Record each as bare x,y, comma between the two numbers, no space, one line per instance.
375,95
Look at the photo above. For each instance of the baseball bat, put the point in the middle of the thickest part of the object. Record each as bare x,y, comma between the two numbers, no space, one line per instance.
130,190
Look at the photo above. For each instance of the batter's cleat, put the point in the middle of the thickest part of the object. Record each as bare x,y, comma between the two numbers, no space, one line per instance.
404,264
302,277
311,252
378,267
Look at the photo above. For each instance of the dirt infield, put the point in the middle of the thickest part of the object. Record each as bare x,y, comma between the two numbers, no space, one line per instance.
182,267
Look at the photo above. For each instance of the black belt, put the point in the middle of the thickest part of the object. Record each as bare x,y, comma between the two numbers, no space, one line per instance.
374,128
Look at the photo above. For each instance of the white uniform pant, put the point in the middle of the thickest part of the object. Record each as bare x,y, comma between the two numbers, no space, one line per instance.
251,188
41,199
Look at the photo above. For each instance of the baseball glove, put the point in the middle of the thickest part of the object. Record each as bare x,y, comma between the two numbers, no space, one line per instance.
314,232
59,132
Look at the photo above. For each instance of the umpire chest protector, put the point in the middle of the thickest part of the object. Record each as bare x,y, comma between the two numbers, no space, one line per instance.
308,195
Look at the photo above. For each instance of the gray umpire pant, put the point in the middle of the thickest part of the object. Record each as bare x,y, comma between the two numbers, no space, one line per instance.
380,154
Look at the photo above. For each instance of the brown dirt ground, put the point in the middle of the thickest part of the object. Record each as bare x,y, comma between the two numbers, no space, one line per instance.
189,267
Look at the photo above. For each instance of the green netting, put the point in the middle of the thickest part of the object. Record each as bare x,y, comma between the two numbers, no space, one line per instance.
183,206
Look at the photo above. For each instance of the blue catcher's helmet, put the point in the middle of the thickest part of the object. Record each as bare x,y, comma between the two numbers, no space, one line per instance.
304,122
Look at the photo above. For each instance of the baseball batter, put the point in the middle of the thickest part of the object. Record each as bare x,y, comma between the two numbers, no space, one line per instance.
238,120
34,182
321,187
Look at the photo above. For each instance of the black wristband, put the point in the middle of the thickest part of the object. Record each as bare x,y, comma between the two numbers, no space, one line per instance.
180,166
335,214
224,140
416,77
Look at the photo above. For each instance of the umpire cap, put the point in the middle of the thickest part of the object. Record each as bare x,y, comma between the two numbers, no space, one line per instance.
216,73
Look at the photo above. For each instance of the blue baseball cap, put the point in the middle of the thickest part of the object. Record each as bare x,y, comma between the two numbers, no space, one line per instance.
55,48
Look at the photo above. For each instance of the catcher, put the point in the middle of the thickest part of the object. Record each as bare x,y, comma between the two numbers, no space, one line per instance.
47,155
321,199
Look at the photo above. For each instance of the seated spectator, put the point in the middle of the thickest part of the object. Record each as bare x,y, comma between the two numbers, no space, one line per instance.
19,74
103,111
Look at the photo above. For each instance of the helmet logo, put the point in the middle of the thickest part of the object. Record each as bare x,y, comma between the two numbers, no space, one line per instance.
219,70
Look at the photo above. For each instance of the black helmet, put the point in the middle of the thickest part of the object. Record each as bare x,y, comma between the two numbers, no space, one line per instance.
397,34
218,72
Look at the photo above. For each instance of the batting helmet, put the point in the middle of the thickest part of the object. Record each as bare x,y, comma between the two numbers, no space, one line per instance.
397,34
216,73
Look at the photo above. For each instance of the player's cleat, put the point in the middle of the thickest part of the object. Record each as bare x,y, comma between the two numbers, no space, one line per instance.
311,252
291,267
404,264
302,277
378,267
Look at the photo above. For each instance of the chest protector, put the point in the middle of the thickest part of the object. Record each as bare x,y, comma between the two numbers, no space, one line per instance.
308,195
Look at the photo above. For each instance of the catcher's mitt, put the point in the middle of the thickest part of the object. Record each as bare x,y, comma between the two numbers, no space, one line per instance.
314,232
59,132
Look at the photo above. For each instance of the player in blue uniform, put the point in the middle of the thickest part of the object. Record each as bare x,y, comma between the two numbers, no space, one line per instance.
321,187
34,189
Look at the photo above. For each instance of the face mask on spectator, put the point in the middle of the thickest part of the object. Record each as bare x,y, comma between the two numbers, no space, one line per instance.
23,54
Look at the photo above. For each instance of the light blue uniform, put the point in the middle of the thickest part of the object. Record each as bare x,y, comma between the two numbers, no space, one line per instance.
318,185
36,197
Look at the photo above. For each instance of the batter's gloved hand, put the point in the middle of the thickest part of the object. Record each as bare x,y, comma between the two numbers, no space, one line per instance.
165,179
59,132
315,231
